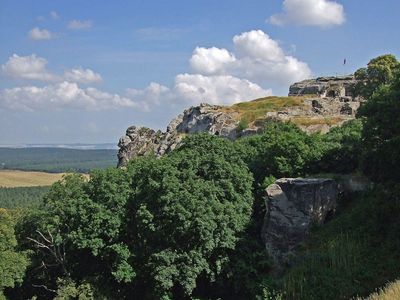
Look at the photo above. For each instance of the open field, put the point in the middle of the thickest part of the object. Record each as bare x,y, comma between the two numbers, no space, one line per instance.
11,178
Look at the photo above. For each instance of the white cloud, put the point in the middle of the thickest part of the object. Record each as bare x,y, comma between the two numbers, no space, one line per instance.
62,95
192,89
27,67
79,25
220,76
152,94
210,60
321,13
257,45
257,57
216,89
261,59
82,75
38,34
224,77
54,15
33,67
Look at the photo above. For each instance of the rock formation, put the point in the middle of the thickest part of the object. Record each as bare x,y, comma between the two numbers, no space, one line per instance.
332,87
314,105
140,141
293,206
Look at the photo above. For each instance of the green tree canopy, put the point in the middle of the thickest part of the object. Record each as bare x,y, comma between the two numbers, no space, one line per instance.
12,263
381,133
379,70
339,150
282,150
152,231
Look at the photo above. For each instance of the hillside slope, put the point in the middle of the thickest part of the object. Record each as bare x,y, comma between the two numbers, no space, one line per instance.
331,104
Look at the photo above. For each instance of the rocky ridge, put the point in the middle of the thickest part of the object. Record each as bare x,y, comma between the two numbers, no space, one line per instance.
314,105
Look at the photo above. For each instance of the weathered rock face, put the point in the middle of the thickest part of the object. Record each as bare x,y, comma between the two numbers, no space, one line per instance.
140,141
293,206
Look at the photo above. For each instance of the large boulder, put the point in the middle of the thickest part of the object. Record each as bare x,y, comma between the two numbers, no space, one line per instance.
293,206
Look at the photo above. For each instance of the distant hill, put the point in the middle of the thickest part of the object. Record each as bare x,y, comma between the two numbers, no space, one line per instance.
56,160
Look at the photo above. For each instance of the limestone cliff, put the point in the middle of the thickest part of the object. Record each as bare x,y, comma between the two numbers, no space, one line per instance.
314,105
293,206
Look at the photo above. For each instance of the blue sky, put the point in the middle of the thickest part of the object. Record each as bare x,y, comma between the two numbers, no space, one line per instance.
83,71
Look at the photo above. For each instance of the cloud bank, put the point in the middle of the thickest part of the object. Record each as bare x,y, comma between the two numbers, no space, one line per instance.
32,67
61,95
63,92
320,13
256,57
218,76
221,76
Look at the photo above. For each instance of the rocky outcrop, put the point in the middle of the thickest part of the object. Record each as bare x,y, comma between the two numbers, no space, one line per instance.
293,206
140,141
332,87
318,112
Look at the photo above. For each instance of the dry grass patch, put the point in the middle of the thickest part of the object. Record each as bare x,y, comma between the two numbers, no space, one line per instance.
309,121
11,178
390,292
250,111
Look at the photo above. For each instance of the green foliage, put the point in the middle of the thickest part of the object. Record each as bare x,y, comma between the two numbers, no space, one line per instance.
339,150
153,230
243,124
69,290
23,197
200,198
282,150
12,262
56,160
380,70
351,255
381,133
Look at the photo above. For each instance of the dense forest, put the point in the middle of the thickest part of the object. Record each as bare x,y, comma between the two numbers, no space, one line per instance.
22,197
187,225
56,160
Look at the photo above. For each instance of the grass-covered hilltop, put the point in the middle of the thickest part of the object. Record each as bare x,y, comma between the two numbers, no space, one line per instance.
184,218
